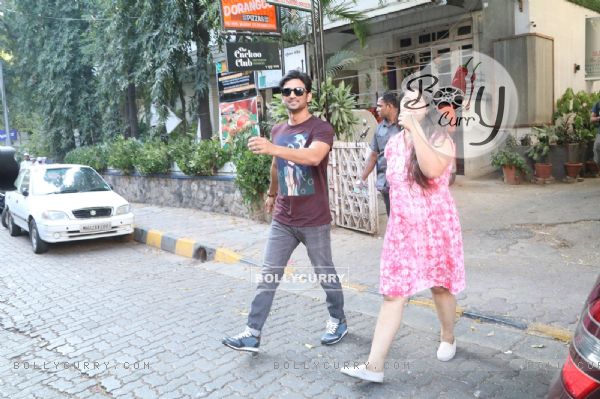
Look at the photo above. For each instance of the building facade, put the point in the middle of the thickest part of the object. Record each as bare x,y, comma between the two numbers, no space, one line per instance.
540,43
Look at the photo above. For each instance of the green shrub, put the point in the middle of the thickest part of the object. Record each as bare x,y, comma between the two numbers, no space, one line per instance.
253,175
581,105
203,159
153,157
508,156
122,154
253,172
181,148
240,143
546,136
95,156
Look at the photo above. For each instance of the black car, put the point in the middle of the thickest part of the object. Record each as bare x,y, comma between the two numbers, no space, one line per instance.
9,169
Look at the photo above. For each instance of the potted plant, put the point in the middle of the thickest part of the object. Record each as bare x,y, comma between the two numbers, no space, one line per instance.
545,136
567,135
512,163
580,104
523,147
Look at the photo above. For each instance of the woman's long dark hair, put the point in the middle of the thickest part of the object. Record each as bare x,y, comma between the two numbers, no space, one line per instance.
433,132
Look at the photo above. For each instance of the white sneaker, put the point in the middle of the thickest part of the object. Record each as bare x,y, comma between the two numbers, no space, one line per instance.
362,373
446,351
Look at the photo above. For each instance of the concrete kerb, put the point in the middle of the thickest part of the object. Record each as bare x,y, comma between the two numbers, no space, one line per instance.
181,246
190,248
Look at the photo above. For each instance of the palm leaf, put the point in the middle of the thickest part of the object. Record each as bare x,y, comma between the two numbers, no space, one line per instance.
340,61
344,12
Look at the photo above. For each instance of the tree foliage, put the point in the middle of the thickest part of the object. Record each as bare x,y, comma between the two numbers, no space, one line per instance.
94,65
97,67
49,71
591,4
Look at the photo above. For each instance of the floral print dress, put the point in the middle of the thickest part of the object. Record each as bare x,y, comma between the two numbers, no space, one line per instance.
423,245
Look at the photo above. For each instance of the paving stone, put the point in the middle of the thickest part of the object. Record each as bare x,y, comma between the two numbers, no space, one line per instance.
110,383
136,306
144,392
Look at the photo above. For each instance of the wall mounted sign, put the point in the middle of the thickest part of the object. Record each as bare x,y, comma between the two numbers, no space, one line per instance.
236,85
253,56
295,58
592,48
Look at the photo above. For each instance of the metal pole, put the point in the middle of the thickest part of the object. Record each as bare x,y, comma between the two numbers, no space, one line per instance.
315,48
8,141
322,56
322,43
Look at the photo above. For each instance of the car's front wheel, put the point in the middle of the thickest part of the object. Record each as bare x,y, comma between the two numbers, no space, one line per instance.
39,246
5,217
13,229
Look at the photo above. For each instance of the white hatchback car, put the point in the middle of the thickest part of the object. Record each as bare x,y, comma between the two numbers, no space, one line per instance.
57,203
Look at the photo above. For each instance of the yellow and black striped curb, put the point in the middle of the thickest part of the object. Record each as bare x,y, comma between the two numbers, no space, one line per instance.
184,246
557,333
191,248
544,330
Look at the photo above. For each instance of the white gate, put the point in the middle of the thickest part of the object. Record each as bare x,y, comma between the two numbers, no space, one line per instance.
350,209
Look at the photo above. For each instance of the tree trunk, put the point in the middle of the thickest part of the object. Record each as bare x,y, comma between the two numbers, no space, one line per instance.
183,106
204,116
132,111
202,38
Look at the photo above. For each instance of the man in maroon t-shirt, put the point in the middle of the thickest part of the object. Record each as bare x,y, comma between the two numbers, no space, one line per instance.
298,198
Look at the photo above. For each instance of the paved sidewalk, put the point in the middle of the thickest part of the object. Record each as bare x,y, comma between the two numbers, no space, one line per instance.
531,251
98,320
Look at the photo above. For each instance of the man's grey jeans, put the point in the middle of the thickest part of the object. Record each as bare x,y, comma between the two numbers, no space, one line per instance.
597,150
282,241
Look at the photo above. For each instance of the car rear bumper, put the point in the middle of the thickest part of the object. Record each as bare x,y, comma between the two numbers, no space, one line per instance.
557,389
85,229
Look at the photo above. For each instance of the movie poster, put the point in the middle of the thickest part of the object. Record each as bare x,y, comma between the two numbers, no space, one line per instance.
236,117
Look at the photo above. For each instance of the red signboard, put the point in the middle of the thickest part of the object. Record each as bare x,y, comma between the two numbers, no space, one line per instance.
249,15
304,5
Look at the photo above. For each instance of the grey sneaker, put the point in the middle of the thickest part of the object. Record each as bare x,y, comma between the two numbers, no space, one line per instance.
335,332
244,341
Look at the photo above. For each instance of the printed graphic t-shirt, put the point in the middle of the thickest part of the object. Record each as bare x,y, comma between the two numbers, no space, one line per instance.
596,110
303,198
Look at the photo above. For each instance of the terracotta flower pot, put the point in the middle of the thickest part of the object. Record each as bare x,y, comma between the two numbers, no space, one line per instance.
573,169
543,170
591,168
511,175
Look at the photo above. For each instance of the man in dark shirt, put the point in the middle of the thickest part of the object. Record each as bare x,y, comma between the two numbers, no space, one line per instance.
595,118
298,199
388,108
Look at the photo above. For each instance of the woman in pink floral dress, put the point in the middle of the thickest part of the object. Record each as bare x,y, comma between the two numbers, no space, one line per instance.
423,242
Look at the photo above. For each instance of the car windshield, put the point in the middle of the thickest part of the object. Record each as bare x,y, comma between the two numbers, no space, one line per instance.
68,180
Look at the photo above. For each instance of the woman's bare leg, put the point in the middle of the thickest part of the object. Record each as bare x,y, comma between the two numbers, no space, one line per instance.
388,324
